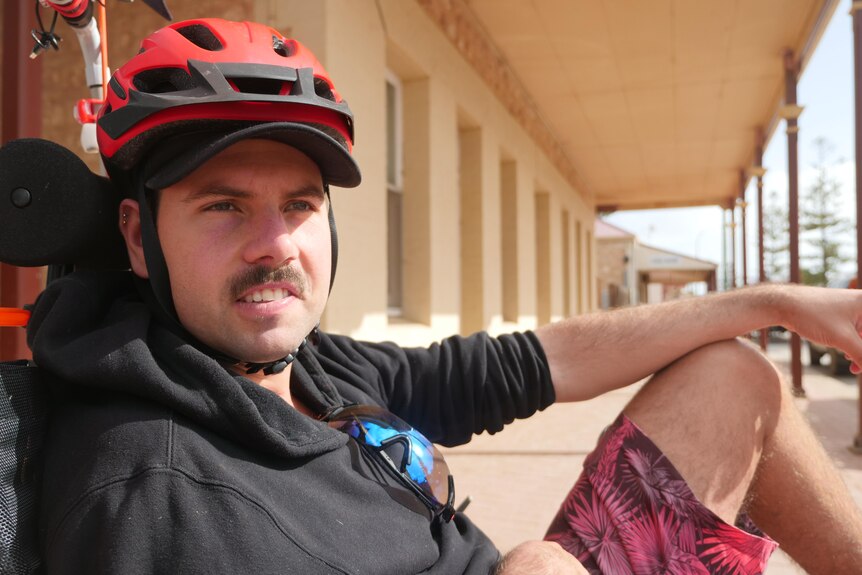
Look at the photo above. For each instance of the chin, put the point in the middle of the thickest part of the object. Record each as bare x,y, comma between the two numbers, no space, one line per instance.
264,353
271,345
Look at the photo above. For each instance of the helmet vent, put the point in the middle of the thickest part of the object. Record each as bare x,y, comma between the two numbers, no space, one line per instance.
283,48
272,86
322,89
201,36
163,80
117,88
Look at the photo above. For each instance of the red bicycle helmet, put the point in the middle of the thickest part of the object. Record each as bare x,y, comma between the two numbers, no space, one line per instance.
220,76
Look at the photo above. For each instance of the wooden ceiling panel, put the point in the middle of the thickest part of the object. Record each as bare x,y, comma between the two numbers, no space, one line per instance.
695,106
647,71
660,161
544,81
609,117
654,102
700,188
576,29
651,113
638,28
741,102
507,19
694,157
762,70
702,26
523,52
699,64
593,76
592,162
576,130
627,162
729,154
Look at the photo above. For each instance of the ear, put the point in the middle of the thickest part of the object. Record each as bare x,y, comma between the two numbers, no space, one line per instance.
130,227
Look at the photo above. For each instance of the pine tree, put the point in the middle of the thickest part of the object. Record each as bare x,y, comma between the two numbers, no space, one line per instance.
776,240
820,222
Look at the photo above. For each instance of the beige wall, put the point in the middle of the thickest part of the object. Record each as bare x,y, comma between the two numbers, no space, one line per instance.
469,167
467,113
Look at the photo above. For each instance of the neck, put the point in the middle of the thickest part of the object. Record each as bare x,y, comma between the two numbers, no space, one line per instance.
279,384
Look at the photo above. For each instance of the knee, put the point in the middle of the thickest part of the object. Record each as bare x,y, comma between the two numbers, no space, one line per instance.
735,357
728,373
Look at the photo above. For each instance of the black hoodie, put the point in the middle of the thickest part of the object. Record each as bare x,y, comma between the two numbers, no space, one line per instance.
159,460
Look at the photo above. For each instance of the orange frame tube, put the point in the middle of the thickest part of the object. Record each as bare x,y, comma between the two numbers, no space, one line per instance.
13,317
101,13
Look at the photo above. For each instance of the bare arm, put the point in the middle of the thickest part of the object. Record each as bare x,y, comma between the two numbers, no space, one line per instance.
595,353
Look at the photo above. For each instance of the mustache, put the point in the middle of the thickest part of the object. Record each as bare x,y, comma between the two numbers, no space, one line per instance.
261,274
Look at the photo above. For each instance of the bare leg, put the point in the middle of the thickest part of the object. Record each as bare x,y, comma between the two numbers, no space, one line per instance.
722,415
799,498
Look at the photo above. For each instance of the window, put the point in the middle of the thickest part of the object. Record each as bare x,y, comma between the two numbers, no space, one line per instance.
543,258
394,195
509,238
567,265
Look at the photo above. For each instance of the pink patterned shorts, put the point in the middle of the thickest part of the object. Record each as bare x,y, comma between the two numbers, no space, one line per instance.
631,512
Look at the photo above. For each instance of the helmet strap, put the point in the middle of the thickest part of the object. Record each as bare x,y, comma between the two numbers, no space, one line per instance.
157,269
277,366
333,239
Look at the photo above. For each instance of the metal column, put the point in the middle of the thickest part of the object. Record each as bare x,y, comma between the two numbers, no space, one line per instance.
759,171
790,112
724,275
742,205
856,14
732,209
21,118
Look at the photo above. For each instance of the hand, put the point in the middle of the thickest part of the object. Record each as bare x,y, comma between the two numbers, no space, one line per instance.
832,317
540,558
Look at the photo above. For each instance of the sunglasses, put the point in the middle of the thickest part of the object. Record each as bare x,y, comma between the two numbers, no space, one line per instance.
405,452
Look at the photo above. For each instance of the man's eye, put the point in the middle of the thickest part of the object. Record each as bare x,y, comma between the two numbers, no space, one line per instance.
220,207
300,206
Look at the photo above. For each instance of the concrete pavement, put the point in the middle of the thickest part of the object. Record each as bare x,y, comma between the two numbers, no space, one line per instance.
518,478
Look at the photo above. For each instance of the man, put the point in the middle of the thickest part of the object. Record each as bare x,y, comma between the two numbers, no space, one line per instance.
201,422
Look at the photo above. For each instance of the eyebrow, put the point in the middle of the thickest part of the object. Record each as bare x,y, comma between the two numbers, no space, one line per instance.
220,191
226,191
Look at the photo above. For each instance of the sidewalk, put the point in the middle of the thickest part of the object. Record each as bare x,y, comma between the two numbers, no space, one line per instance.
518,478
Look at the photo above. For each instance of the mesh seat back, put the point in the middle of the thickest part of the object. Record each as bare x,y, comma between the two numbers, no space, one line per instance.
23,410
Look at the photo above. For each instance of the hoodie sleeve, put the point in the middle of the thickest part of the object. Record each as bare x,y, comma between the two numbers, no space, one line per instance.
451,390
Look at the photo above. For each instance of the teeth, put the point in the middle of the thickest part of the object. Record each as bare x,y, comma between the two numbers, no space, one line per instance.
266,295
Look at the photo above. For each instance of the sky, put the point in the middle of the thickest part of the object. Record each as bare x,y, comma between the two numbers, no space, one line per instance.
825,89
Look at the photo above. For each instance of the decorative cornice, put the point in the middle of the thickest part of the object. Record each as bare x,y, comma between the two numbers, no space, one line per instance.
756,171
790,111
458,23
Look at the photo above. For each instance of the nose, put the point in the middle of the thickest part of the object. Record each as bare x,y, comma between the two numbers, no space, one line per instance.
270,240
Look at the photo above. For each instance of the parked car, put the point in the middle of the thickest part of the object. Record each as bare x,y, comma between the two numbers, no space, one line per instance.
838,364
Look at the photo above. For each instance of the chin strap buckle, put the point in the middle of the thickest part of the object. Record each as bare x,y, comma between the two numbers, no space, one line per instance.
277,366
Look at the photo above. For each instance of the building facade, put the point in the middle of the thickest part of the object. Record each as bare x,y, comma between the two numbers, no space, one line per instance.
465,219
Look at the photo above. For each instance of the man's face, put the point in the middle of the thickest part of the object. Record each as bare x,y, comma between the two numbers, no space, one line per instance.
247,244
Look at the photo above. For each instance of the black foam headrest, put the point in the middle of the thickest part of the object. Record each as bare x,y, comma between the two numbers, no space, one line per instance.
54,210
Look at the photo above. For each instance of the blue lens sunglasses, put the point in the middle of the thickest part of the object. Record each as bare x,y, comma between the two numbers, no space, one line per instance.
421,467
